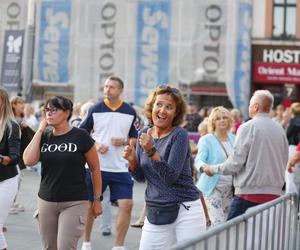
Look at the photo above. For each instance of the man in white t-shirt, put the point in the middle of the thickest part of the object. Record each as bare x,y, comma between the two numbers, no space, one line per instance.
111,124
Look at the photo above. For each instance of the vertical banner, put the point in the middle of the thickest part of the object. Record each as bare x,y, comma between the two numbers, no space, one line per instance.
54,41
240,94
12,60
13,16
201,42
152,46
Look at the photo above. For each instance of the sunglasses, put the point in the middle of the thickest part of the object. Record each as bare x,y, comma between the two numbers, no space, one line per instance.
174,91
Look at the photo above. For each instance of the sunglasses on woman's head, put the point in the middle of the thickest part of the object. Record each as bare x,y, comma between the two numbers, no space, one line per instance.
175,91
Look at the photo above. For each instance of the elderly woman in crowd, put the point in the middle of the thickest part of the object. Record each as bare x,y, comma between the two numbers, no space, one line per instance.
215,148
162,158
63,198
9,157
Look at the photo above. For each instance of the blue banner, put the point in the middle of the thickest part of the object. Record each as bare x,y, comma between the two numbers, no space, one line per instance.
152,46
242,83
54,40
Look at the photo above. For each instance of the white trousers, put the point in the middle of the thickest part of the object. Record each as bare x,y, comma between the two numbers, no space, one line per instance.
8,190
189,224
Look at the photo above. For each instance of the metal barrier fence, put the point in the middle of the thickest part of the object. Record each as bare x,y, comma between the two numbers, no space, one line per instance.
272,225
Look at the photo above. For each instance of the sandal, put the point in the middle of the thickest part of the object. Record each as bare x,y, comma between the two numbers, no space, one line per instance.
138,224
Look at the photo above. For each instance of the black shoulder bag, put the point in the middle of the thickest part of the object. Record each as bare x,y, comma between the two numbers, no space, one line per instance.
162,214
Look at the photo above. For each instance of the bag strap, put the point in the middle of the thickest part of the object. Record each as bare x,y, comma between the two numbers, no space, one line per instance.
225,154
224,149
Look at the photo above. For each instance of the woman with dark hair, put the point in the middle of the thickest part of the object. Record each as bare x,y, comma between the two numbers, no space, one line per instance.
162,158
9,157
63,199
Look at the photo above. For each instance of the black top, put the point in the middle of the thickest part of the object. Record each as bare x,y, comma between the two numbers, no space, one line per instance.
10,146
63,166
293,130
193,120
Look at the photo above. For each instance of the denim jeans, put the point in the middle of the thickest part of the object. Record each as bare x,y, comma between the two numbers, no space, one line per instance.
239,206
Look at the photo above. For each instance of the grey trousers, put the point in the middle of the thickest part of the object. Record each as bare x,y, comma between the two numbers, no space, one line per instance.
61,224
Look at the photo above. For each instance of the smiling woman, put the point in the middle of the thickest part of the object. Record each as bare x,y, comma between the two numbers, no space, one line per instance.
162,158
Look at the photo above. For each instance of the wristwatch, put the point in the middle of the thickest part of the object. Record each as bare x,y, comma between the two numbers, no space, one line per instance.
151,152
201,170
98,198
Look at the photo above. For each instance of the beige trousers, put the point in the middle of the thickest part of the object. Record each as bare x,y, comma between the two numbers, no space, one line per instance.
61,224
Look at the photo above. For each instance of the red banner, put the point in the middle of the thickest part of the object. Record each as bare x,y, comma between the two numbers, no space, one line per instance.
276,73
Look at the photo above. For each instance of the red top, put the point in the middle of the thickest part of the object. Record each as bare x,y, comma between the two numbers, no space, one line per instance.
258,198
298,147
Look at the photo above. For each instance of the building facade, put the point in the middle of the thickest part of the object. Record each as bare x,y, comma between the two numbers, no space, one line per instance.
276,49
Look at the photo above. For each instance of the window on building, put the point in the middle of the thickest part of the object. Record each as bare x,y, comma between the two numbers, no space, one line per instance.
284,19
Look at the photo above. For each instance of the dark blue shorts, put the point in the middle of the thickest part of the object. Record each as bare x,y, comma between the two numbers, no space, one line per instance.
120,185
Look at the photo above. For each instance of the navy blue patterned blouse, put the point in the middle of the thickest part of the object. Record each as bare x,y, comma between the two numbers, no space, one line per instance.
170,179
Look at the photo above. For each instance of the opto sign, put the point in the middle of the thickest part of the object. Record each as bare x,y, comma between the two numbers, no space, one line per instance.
276,64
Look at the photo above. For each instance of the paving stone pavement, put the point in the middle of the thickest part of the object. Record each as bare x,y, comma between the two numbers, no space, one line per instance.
23,233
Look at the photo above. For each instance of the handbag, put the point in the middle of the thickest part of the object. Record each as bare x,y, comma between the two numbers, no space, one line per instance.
159,214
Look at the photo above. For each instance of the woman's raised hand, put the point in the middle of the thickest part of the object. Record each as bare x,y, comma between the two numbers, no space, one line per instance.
146,141
43,125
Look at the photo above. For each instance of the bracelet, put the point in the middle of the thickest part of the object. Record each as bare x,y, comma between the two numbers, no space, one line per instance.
151,152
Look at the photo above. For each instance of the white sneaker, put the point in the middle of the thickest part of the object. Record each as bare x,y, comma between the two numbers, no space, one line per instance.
18,207
118,248
86,245
13,210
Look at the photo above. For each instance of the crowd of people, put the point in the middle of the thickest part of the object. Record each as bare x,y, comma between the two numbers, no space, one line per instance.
203,165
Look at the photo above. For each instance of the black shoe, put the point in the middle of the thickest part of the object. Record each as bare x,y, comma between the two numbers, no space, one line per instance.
106,233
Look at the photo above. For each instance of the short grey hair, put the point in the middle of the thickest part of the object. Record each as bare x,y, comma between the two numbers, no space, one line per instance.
264,98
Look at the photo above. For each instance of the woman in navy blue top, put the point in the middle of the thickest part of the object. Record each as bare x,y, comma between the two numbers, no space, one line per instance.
162,158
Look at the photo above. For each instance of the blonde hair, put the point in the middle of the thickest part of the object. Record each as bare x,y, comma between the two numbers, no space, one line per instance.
6,113
213,115
295,108
203,126
14,100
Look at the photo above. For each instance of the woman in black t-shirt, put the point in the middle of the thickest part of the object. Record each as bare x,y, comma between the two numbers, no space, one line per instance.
63,152
9,157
